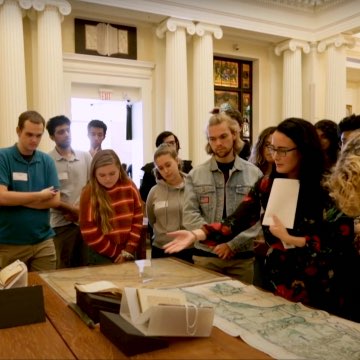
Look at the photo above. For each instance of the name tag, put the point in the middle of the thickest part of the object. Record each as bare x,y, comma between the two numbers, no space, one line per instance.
63,176
161,204
17,176
204,200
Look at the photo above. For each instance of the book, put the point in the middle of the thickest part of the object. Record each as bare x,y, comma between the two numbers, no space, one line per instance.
101,287
152,297
13,275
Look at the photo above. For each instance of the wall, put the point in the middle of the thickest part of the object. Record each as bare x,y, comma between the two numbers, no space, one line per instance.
267,77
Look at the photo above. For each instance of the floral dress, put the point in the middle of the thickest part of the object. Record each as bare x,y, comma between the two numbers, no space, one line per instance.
290,273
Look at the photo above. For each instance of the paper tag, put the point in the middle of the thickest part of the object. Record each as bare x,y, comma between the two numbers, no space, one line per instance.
17,176
63,176
160,204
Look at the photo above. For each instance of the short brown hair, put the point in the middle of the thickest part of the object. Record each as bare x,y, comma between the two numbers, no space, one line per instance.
32,116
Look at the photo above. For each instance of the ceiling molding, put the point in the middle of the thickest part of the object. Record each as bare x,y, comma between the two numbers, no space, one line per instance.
274,17
311,6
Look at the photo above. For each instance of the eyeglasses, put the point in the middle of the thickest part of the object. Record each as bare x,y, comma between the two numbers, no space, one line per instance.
171,143
280,151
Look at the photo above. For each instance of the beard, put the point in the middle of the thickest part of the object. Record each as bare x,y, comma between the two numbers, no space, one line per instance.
223,153
65,144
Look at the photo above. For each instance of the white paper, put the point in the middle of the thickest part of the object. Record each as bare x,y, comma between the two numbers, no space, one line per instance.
282,202
98,286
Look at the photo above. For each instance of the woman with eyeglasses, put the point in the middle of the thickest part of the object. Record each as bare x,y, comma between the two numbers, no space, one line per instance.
328,132
260,153
291,258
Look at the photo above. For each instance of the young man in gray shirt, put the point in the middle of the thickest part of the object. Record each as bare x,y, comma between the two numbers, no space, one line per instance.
73,167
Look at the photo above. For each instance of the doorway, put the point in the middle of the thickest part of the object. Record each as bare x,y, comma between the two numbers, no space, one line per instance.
113,114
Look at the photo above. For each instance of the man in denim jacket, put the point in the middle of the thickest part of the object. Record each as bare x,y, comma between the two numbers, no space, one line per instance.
213,190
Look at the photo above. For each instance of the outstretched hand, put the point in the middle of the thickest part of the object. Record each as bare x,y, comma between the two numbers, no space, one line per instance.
182,240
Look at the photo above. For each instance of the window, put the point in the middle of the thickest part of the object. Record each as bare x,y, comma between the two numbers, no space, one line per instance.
233,85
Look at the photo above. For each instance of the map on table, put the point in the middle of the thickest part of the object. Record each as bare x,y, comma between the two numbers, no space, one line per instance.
155,273
280,328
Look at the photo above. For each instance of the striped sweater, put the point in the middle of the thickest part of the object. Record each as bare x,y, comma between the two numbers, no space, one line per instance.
126,223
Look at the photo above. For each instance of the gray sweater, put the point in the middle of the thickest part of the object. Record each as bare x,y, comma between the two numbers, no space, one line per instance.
164,211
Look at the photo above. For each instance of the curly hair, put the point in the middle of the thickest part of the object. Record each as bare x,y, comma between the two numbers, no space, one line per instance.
257,151
100,200
344,181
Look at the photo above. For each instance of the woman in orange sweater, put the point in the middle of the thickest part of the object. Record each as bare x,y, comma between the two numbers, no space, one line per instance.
111,215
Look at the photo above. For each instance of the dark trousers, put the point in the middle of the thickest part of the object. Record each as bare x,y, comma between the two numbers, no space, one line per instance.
186,254
69,246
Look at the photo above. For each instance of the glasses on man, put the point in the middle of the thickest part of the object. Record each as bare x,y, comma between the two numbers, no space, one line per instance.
171,143
282,152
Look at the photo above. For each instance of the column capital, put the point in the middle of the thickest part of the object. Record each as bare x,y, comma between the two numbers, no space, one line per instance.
172,24
23,4
202,28
293,45
337,41
63,6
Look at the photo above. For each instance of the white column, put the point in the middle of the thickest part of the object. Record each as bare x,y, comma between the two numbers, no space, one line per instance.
12,69
50,91
203,84
292,75
176,84
311,89
335,97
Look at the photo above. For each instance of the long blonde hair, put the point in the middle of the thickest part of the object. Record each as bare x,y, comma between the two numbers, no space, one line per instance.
344,180
99,198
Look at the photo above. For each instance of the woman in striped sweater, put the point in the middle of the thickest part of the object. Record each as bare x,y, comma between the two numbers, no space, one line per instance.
111,215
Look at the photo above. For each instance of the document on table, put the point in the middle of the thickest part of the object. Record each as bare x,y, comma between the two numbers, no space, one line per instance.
282,202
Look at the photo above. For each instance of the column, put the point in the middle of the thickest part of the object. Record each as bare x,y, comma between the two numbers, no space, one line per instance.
335,96
12,69
176,84
292,75
203,85
311,89
50,91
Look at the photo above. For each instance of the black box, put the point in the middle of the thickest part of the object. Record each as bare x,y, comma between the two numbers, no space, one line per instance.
21,306
91,304
126,337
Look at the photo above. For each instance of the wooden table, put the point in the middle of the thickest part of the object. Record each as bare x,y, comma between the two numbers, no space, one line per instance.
86,343
65,336
36,341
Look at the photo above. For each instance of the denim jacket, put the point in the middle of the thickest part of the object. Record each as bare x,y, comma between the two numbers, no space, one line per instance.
204,198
